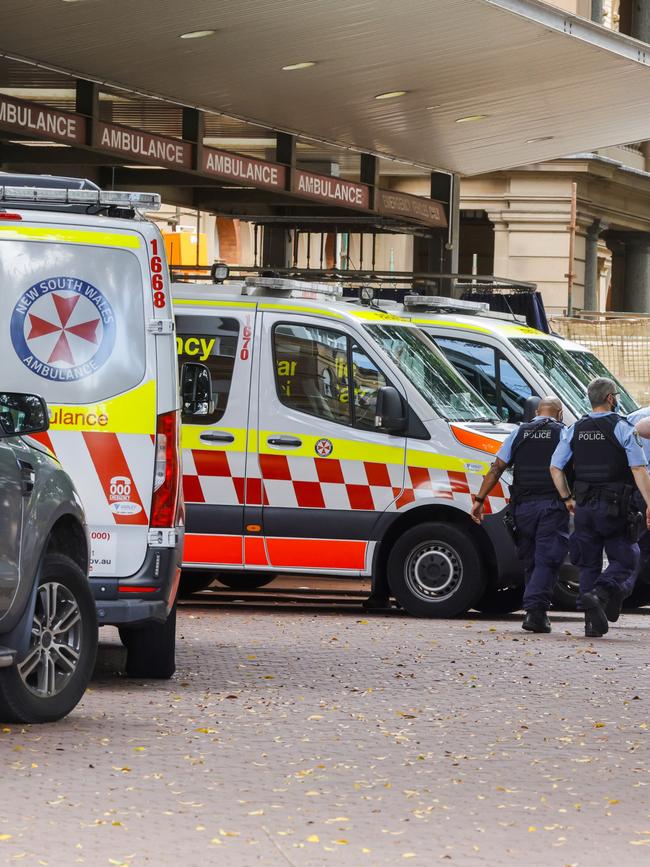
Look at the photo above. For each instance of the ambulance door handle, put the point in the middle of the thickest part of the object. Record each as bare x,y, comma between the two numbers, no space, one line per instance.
217,436
287,442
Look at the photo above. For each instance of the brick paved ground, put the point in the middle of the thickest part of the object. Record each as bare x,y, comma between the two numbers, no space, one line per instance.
303,738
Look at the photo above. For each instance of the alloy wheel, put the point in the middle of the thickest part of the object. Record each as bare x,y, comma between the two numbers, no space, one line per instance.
55,643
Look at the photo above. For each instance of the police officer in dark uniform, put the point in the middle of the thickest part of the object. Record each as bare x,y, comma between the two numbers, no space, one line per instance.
607,461
541,519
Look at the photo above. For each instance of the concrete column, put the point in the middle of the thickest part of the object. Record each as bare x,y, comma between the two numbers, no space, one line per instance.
641,20
636,294
597,11
591,266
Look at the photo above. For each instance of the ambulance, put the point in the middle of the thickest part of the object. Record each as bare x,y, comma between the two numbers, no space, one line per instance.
505,360
323,437
511,366
90,328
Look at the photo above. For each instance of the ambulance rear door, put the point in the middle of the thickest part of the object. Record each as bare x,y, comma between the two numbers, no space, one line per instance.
327,473
78,302
214,438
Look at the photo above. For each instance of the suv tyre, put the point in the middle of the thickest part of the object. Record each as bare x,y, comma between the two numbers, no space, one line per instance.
52,677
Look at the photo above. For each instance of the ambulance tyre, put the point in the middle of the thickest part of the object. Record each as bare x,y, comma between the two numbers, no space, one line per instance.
194,582
434,570
245,580
51,679
151,649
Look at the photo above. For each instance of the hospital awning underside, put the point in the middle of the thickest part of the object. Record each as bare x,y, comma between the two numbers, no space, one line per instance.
540,82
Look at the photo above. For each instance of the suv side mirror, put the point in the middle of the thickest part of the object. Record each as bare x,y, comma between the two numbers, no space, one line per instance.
389,412
196,389
22,414
530,407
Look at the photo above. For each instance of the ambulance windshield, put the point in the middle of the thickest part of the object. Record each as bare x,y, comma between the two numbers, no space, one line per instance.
591,367
553,362
431,374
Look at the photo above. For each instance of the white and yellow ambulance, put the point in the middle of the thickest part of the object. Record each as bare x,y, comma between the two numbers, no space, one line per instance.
90,328
505,360
324,437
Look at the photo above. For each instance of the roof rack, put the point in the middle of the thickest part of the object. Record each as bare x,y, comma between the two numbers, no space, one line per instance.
78,195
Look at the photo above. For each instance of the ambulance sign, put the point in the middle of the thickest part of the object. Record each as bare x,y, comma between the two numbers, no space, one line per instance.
63,329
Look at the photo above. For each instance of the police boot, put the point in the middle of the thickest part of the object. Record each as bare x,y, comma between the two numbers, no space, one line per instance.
613,604
536,621
596,624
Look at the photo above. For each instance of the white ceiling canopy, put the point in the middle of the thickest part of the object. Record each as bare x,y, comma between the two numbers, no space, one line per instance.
477,85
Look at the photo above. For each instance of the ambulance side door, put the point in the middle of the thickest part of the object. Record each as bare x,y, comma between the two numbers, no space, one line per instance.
214,439
327,472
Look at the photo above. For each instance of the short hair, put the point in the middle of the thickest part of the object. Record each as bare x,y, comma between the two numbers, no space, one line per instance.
599,389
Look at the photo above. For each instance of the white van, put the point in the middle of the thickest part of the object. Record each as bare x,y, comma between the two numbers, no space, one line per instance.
90,328
323,437
505,360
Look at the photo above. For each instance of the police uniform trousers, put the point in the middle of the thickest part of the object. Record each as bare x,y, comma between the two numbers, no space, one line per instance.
595,531
542,544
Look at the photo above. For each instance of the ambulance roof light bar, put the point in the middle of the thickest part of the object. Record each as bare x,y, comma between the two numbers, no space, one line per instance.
90,198
450,305
292,288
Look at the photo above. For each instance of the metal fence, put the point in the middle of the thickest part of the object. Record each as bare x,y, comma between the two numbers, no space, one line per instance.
621,341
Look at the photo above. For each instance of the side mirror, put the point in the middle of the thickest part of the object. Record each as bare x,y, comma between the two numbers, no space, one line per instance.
530,407
196,389
389,412
22,414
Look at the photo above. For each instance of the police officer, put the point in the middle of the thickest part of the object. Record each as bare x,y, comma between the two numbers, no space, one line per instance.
542,521
641,421
607,461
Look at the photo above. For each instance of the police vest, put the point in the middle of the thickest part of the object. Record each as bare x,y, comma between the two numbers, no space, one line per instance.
598,458
532,450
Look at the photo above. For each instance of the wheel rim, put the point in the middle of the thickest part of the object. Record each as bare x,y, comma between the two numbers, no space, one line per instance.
55,642
434,571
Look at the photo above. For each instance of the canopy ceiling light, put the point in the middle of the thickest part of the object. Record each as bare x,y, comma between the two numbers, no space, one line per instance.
304,64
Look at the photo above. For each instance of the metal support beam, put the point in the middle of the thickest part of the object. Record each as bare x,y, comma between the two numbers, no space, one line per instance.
87,103
285,150
193,131
369,174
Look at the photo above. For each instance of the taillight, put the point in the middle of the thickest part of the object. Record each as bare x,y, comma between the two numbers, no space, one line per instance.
166,473
6,216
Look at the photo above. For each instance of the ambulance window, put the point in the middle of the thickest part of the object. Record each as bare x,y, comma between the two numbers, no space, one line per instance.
311,371
514,392
476,362
367,379
212,341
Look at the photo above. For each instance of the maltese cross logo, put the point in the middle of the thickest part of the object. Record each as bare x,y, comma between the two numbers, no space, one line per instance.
63,329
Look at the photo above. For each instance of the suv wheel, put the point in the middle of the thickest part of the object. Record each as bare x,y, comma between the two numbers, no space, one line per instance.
52,677
151,649
434,570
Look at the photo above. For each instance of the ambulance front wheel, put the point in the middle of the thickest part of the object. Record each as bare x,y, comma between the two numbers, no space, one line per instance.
434,570
151,649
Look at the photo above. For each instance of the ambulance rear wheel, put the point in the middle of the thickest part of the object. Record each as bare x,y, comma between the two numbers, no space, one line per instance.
434,570
151,649
245,580
495,601
194,582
